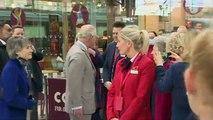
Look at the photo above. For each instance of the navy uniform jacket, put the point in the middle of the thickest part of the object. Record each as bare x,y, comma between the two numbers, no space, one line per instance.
108,57
14,86
3,57
173,80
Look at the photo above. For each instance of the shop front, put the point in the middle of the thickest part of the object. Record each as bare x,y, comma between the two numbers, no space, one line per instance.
52,24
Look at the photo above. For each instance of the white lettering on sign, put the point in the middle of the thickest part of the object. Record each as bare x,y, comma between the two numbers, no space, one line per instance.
59,109
63,97
58,97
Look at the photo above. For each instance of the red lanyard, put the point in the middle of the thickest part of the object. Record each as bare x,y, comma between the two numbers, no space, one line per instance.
125,75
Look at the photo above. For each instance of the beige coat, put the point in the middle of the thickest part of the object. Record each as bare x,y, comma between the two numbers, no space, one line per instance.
80,80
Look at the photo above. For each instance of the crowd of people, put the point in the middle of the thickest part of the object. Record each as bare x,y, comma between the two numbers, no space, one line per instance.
146,76
143,75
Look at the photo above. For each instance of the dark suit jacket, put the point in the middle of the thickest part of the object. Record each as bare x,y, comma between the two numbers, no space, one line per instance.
108,57
14,85
98,63
37,73
3,56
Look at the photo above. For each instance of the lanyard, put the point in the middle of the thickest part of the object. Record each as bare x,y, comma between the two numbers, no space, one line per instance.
125,75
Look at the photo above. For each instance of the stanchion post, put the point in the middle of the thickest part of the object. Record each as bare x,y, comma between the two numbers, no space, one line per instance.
46,97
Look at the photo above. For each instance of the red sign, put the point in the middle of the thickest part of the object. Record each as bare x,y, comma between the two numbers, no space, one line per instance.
18,17
54,34
54,44
56,98
191,10
79,15
189,24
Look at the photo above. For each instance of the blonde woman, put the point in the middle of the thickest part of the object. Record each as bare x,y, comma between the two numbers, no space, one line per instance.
175,45
172,80
199,77
129,94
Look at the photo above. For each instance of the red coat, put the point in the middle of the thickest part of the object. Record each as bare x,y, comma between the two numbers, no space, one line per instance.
136,90
163,101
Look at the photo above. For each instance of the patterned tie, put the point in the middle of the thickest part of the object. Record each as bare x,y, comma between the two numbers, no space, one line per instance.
116,55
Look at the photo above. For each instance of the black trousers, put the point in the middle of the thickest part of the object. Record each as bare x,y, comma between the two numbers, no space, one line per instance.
104,98
34,112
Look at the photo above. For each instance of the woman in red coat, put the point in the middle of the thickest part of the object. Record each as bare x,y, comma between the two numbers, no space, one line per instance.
129,95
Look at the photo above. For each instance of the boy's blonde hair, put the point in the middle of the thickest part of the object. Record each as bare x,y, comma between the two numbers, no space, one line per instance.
202,58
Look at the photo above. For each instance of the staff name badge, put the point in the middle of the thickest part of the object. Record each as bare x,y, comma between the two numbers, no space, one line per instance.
134,71
122,55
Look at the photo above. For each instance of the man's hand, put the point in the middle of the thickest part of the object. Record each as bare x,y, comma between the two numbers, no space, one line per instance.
91,51
78,113
107,84
33,48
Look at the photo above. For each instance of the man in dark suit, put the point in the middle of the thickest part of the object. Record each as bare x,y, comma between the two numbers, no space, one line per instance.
5,33
111,57
37,80
36,76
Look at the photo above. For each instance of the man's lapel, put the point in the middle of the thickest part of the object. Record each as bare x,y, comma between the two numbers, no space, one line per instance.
86,53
